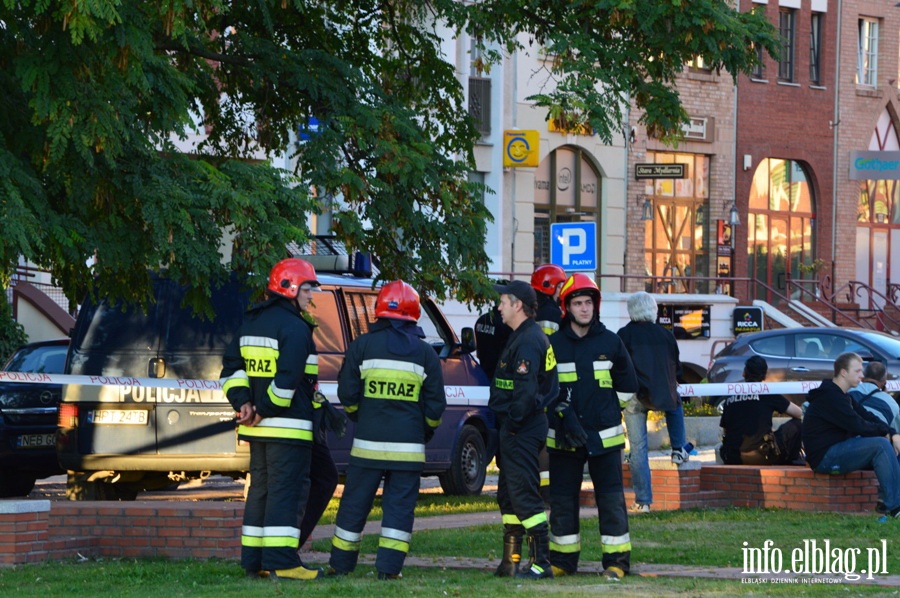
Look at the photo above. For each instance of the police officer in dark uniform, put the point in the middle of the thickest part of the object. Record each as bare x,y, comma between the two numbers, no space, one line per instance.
490,338
269,374
594,370
391,384
524,383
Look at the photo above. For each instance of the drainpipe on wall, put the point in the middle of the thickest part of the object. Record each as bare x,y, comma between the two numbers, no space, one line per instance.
515,124
834,128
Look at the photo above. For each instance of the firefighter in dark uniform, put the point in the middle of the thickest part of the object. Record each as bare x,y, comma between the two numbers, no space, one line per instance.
595,371
391,384
547,280
524,384
269,374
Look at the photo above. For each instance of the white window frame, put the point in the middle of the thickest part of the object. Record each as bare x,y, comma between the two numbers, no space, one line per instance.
867,55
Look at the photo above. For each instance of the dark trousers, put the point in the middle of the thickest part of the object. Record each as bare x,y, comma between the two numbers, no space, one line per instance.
785,451
323,479
398,504
279,475
567,473
518,487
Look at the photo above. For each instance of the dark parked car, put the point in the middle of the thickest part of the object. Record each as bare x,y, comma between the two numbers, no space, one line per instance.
796,354
28,413
122,437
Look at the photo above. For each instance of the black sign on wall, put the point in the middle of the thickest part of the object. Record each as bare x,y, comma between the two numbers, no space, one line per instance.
658,171
685,321
747,319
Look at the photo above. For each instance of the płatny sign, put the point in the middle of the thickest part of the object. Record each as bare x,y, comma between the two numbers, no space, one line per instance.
686,322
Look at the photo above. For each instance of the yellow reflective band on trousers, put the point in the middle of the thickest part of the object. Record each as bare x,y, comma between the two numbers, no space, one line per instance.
270,537
545,478
568,544
408,452
394,539
510,519
616,543
503,384
535,520
601,373
260,355
346,540
566,371
391,379
612,436
312,366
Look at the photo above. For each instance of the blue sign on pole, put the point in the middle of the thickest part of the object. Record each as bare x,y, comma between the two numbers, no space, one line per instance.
573,245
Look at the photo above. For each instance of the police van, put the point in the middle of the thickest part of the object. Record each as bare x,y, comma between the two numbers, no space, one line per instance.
125,434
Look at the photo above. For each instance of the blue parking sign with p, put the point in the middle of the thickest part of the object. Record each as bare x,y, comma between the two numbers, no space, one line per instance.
573,245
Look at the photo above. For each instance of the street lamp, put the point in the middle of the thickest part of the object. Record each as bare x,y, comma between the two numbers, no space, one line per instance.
734,217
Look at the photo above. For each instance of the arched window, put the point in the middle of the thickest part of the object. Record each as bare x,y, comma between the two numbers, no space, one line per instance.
781,226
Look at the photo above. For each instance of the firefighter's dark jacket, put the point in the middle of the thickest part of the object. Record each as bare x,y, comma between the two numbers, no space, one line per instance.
392,385
525,379
272,362
548,315
595,367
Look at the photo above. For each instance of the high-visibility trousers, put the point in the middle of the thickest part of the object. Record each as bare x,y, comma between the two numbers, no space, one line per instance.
567,473
270,534
398,504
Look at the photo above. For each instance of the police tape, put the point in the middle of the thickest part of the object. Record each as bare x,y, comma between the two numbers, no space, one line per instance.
330,389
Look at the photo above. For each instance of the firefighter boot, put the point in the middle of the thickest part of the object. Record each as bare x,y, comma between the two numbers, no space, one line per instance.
539,546
512,555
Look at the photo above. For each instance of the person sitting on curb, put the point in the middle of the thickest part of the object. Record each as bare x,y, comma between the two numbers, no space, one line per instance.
840,436
747,425
871,395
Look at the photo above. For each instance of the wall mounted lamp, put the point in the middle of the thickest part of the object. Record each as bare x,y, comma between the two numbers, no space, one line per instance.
700,216
734,217
646,209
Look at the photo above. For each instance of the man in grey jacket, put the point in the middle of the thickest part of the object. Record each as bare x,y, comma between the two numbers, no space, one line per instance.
871,395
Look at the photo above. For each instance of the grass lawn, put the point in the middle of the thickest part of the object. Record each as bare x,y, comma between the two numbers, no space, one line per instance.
703,538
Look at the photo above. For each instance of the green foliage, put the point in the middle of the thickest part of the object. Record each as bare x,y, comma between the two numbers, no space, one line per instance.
95,94
12,334
602,53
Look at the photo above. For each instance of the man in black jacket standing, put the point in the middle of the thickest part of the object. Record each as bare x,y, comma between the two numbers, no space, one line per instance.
654,353
525,382
840,436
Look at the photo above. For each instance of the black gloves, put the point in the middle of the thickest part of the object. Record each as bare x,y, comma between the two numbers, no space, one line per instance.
334,420
574,433
429,433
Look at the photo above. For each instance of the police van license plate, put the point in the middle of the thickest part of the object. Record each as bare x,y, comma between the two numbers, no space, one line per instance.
132,417
36,440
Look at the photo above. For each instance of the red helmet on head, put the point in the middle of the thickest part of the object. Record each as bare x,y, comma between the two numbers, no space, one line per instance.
287,276
399,301
545,278
578,285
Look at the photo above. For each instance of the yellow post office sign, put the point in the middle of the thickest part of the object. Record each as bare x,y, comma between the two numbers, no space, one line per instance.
520,148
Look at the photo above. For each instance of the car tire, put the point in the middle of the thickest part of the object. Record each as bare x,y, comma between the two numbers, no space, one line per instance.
468,465
78,488
15,484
